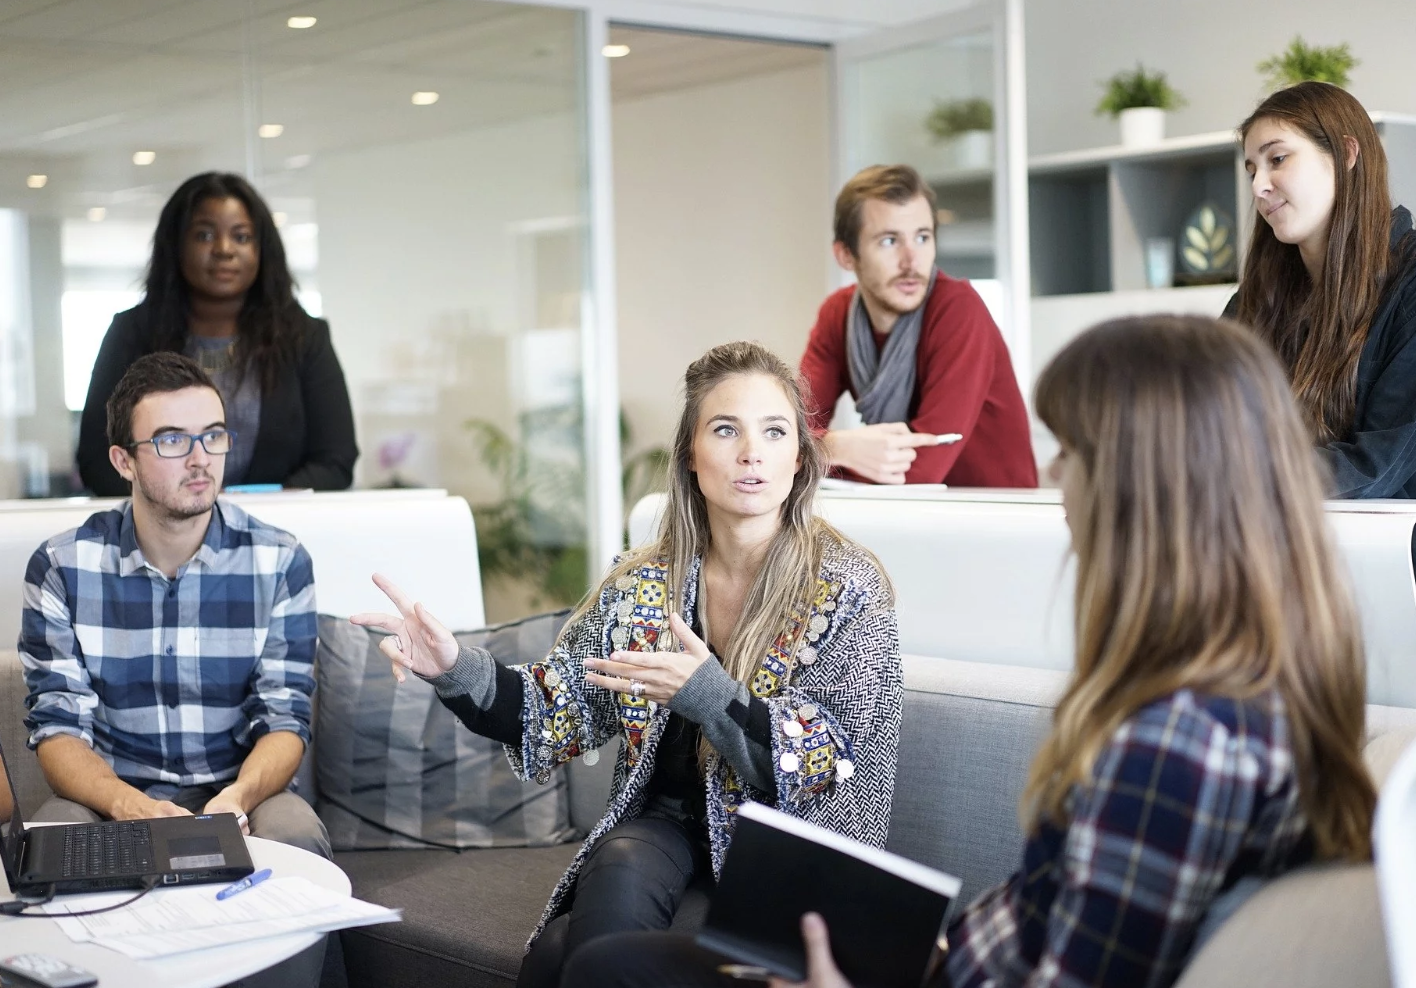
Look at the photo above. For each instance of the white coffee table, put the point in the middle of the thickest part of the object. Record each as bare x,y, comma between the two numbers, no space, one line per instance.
198,969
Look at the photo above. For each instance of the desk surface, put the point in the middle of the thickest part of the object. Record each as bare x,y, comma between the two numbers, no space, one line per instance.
199,969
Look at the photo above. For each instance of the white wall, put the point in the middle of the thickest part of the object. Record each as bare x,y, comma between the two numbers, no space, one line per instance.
1209,49
428,288
722,229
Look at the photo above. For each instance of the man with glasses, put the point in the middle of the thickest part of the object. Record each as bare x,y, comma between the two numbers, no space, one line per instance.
168,643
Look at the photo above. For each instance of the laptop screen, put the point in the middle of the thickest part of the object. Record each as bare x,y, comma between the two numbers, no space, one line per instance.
12,825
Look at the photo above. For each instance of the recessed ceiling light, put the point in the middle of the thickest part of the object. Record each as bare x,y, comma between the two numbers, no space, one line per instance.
279,218
300,23
424,98
298,161
37,181
144,157
615,51
271,130
97,214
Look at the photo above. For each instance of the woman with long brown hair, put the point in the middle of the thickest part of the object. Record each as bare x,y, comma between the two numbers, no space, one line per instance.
749,653
1330,283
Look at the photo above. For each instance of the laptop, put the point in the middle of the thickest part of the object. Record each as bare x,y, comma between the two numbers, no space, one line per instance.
81,857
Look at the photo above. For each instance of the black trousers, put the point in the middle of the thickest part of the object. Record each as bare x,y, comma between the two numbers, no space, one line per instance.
633,882
647,960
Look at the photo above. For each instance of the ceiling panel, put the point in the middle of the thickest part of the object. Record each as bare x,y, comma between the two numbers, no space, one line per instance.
663,61
71,20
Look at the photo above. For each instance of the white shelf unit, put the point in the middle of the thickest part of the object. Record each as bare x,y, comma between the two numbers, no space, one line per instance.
1091,211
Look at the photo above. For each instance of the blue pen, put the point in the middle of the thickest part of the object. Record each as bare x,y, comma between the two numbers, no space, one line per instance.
253,489
244,884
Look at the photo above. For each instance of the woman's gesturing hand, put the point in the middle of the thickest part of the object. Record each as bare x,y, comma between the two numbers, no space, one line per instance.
416,640
661,674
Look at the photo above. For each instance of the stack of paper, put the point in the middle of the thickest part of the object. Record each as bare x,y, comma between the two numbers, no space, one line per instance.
173,921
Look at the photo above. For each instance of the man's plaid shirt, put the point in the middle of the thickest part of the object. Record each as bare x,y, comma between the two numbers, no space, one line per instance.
1191,794
170,681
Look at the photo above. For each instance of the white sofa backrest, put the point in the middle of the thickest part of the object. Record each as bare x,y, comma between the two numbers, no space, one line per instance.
985,576
424,540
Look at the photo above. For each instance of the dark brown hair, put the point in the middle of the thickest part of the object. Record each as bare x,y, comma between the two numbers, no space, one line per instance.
155,373
1318,329
271,320
1204,561
896,184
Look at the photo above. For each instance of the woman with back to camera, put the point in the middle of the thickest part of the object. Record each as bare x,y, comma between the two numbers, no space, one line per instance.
1212,726
1330,282
219,290
749,653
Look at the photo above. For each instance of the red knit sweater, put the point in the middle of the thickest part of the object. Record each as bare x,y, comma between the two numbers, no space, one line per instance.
963,383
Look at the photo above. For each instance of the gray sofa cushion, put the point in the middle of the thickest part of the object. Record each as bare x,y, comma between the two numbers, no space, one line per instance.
397,770
968,734
466,916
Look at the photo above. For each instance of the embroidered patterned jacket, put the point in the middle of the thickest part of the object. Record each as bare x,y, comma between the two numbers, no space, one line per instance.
836,712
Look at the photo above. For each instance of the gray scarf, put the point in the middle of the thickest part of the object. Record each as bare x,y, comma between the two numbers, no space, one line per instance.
884,381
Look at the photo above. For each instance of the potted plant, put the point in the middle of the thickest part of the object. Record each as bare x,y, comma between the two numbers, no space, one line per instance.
1139,100
1301,62
968,125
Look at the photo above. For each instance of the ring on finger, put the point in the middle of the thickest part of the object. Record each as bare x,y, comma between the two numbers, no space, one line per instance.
636,687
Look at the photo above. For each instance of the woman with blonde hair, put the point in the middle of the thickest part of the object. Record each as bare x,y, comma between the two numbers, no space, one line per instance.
749,653
1330,282
1211,730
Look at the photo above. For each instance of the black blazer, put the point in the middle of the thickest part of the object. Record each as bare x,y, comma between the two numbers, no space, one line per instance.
306,438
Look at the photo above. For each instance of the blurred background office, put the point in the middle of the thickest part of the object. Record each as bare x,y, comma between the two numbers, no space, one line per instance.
522,220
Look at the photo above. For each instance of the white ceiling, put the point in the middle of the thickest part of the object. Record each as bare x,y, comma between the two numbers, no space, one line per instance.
85,83
662,61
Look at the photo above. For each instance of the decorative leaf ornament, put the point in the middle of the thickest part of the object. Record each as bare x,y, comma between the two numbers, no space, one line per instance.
1208,244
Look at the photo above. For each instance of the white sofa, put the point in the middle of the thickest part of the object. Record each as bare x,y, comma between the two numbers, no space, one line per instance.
984,576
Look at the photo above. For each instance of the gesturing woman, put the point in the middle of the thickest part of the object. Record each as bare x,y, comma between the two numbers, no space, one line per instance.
750,652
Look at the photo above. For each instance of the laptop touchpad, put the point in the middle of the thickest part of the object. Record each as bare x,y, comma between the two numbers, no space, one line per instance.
195,852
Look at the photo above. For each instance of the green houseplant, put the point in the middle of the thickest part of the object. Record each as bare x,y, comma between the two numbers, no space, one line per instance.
535,532
950,118
967,126
1139,100
1302,62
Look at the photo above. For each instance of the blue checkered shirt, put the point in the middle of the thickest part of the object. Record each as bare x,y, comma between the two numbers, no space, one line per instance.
170,681
1191,794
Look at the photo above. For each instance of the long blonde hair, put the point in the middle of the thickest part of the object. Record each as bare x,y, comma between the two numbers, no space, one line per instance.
1203,558
787,581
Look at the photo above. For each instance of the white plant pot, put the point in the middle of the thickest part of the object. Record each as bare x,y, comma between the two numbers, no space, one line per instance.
1141,126
973,149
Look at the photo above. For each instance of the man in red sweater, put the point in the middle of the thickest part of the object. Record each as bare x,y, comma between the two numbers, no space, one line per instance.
916,349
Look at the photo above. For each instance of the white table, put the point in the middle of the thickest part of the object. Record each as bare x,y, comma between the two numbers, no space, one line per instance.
198,969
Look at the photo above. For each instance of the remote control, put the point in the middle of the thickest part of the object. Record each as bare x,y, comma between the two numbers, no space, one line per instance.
50,972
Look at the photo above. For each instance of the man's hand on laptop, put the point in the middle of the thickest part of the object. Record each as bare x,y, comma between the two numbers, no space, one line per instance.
228,801
141,807
881,453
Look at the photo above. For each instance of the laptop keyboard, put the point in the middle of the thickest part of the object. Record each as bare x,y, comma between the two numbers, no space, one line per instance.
120,848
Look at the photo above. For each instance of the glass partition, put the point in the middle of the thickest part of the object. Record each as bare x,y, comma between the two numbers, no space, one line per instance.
426,166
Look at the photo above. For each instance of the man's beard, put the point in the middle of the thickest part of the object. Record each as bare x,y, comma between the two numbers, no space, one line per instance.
171,508
889,306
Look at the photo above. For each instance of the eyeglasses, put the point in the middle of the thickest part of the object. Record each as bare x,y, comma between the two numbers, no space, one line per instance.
172,445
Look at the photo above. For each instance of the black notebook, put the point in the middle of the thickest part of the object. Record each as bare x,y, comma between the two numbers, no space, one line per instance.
884,912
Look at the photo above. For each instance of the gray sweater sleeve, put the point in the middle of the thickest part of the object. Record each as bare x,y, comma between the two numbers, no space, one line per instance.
473,675
736,724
